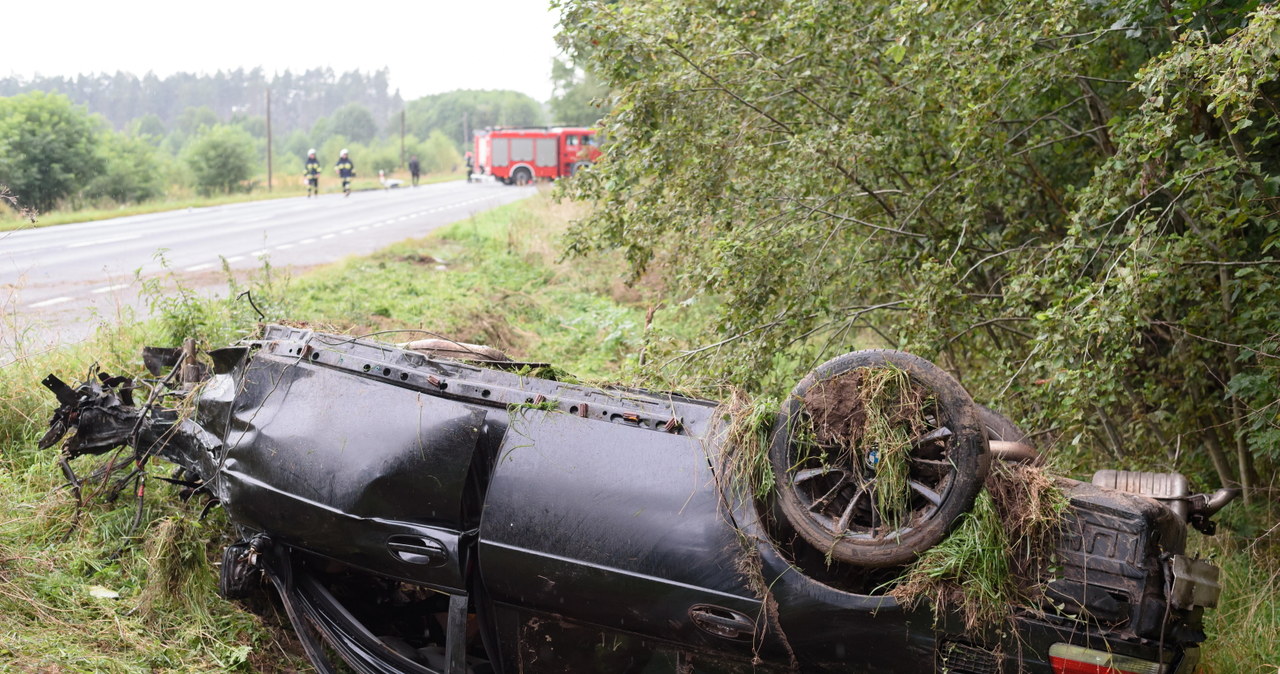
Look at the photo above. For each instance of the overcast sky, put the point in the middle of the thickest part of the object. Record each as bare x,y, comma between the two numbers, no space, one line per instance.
430,46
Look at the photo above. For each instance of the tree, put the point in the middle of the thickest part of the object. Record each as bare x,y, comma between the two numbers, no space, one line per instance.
192,120
438,153
355,122
220,159
1072,205
131,172
579,99
147,126
47,148
447,113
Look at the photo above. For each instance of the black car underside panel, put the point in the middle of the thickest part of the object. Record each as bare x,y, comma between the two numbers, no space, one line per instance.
351,469
621,529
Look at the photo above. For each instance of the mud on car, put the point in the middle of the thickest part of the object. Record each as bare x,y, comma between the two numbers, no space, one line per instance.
433,507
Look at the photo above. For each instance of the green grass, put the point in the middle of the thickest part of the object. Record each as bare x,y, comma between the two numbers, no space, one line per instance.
284,187
1244,630
50,621
491,280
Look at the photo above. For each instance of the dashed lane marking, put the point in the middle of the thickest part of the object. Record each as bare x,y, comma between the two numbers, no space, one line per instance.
99,242
49,302
201,267
107,289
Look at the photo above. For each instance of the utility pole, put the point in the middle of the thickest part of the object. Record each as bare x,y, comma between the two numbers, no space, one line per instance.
268,140
401,137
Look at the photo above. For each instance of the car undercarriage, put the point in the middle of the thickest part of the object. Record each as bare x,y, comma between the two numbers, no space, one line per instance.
432,507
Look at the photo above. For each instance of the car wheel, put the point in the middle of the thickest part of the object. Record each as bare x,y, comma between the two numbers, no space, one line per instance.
521,176
879,453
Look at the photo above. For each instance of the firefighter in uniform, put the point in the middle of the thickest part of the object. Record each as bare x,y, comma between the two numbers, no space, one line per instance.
312,174
346,171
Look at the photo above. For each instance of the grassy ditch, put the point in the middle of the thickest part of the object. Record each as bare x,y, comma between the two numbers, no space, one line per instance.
492,280
82,590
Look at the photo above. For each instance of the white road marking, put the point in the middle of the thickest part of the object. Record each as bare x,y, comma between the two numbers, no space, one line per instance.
199,267
99,242
49,303
259,252
306,241
328,236
284,246
107,289
361,229
347,231
235,258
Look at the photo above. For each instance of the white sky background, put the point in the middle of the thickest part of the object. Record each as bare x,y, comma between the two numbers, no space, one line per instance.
430,46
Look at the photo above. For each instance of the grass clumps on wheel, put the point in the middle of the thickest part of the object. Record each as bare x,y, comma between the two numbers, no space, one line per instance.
1000,554
870,416
880,453
744,453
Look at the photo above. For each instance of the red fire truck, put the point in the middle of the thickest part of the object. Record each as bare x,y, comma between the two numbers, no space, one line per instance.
520,156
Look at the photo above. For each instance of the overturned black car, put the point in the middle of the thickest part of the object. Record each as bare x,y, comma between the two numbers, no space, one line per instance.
434,508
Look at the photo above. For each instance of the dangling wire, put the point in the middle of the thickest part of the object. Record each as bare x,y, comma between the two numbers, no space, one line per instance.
249,294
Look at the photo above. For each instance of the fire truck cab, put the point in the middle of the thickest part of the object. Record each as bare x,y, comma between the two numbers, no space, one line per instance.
520,156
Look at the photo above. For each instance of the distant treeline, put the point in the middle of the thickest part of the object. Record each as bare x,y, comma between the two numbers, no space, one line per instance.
297,101
306,102
99,139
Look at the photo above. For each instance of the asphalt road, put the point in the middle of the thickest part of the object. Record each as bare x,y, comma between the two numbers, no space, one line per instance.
58,283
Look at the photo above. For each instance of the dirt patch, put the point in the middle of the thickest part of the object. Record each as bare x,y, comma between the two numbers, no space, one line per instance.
493,329
848,410
421,260
871,416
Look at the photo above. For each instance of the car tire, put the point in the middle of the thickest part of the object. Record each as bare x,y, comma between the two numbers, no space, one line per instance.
521,176
947,467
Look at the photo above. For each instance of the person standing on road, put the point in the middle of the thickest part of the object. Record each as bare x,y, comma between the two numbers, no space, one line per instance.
470,165
312,174
415,167
346,170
